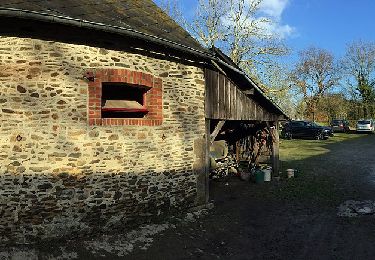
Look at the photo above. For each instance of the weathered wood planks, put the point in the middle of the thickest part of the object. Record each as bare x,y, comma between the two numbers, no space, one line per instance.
225,101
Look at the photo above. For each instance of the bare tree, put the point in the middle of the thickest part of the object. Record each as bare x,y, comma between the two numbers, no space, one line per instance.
334,105
276,83
314,74
359,65
237,28
172,8
242,31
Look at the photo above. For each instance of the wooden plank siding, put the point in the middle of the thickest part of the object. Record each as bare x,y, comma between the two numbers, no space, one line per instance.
225,101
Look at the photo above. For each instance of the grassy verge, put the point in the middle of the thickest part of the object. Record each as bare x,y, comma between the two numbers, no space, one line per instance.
309,185
299,149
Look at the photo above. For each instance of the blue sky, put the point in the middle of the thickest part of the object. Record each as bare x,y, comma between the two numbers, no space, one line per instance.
328,24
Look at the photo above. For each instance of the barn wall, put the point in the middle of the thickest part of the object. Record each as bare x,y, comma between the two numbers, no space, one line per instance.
58,174
226,101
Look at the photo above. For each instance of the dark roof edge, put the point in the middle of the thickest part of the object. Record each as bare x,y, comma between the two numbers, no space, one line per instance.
66,20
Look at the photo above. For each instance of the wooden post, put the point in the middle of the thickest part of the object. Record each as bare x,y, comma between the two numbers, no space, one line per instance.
238,151
207,159
275,160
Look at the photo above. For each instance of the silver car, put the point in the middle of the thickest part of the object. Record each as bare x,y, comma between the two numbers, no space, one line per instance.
365,125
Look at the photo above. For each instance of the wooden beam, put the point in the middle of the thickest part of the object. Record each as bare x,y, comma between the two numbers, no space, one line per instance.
275,160
217,130
218,67
238,152
249,91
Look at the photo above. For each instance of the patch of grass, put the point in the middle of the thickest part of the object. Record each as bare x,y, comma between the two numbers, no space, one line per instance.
299,149
308,188
323,123
309,185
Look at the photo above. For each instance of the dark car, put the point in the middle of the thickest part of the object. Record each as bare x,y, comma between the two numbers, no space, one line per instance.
305,129
340,125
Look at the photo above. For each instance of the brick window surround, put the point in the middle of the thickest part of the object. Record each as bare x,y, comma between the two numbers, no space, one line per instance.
153,97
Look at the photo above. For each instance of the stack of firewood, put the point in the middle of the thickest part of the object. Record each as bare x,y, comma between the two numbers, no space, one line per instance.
224,167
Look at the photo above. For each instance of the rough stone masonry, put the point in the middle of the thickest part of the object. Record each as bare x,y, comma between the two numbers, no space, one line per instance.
60,175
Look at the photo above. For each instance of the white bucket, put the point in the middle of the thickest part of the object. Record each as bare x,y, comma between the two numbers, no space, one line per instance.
267,174
290,173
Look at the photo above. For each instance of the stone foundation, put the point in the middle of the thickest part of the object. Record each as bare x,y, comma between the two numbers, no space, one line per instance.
51,206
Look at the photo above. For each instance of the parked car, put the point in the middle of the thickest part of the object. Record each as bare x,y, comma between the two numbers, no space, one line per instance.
340,125
365,125
305,129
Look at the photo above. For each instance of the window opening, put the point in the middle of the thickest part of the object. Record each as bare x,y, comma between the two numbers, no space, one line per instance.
120,100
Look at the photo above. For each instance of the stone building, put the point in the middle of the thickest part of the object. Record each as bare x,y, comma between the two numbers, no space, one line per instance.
103,116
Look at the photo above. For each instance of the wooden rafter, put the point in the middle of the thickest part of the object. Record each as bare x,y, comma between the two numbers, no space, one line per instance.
216,131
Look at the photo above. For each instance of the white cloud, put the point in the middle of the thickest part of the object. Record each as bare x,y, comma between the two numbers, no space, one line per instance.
282,30
274,9
285,30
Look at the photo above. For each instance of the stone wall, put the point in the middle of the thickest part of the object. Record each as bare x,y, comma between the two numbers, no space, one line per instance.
60,175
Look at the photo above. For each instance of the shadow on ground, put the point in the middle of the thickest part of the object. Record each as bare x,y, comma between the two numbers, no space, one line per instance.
288,219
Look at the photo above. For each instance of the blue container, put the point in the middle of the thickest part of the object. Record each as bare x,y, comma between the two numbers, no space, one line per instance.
259,176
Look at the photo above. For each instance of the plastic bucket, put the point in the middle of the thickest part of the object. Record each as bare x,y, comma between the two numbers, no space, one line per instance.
290,173
259,176
267,174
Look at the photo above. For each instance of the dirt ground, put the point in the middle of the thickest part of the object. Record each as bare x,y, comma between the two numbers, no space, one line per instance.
250,221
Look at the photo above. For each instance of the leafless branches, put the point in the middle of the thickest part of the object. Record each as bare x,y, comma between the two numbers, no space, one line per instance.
315,73
236,27
358,65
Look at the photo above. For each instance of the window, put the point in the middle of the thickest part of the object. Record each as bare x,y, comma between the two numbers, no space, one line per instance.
124,97
364,122
121,100
298,124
